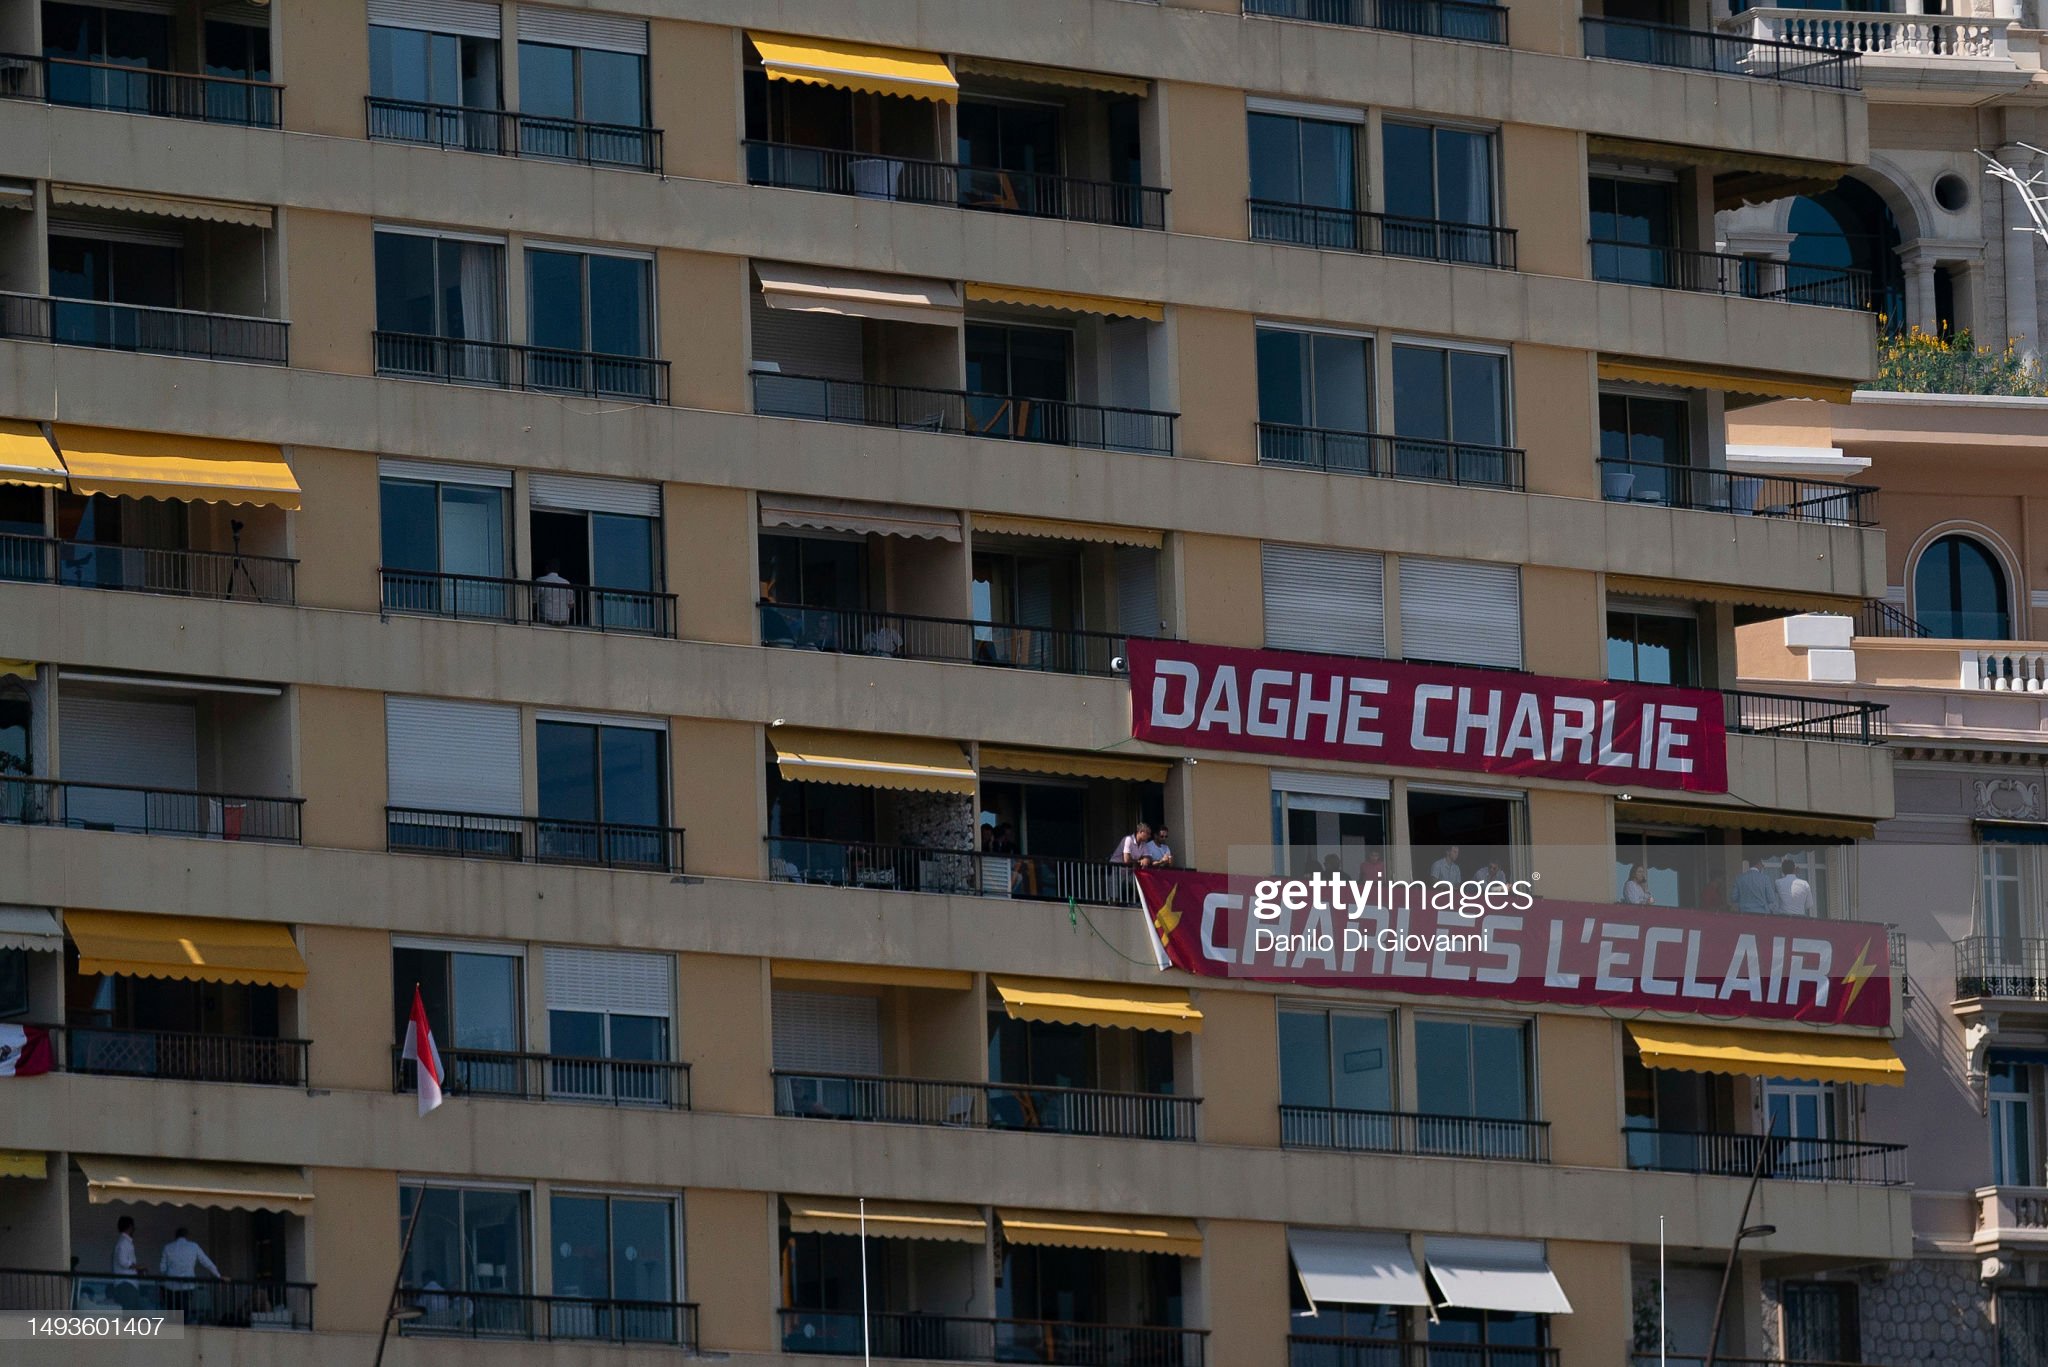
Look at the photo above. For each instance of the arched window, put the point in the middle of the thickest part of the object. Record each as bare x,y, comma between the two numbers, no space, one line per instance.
1959,591
1849,226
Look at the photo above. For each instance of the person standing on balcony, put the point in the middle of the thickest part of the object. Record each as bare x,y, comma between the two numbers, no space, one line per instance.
1164,858
180,1262
124,1247
1795,894
1136,850
1447,869
1754,891
1636,892
554,601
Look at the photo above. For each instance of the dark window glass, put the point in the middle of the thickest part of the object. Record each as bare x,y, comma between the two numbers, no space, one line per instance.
1648,647
13,982
614,88
547,80
554,300
411,525
619,321
405,284
1959,591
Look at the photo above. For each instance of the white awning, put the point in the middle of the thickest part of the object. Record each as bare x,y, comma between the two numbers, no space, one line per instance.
31,928
858,518
1495,1274
1356,1267
858,294
161,206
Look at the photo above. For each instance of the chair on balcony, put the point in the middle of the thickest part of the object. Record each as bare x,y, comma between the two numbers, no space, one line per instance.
1617,486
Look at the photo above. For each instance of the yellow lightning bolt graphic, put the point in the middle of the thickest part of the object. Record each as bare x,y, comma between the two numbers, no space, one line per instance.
1858,974
1167,917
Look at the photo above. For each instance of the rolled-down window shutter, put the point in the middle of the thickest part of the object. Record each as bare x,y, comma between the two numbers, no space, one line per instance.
612,32
1324,600
440,16
1461,612
1137,591
1333,785
822,346
609,980
453,756
589,494
825,1032
121,740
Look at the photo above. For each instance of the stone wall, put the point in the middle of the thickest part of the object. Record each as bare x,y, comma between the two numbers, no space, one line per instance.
1930,1312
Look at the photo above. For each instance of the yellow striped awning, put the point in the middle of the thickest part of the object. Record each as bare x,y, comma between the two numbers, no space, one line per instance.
20,669
1735,595
192,948
1064,302
886,1219
108,460
1055,529
1118,1233
217,1186
1071,765
874,975
916,764
161,206
856,66
26,456
1769,1053
1133,1008
1770,385
1064,77
1746,819
24,1163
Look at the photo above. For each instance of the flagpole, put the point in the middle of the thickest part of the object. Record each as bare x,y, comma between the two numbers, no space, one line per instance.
398,1278
866,1347
1663,1297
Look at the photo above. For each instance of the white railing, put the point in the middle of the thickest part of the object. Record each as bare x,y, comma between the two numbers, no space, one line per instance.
2019,670
1873,34
2012,1211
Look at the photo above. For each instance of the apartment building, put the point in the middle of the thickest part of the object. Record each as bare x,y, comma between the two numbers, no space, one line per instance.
636,522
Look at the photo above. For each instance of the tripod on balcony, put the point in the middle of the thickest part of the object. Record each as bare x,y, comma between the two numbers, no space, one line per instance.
239,565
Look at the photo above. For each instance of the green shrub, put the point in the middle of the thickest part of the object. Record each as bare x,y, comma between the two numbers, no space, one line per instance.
1916,362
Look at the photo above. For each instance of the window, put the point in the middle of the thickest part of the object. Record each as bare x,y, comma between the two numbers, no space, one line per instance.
1959,591
444,540
473,1003
1025,589
563,85
2015,1160
1440,192
1820,1322
13,982
1315,393
2002,915
240,52
1304,179
1010,136
613,1005
1454,833
1318,818
1634,228
1469,1073
144,271
1643,443
1499,1330
603,793
107,38
583,309
1322,600
1341,1060
2022,1327
1453,403
467,1239
1677,866
17,716
419,67
603,533
1648,645
1019,379
433,290
1461,612
614,1248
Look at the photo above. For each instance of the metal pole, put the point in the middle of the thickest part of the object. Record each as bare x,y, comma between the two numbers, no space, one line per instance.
866,1328
1663,1299
398,1278
1763,1154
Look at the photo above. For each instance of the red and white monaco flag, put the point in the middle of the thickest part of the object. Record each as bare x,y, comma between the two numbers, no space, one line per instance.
419,1047
24,1050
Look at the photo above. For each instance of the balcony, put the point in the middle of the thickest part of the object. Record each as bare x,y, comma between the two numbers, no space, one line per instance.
900,635
1994,966
1357,230
1386,456
1909,38
1726,491
180,1056
533,840
135,327
1461,19
1413,1134
1744,277
2012,1217
958,1338
964,413
871,175
1314,1350
225,1303
1804,718
526,602
986,1105
148,569
553,1319
915,868
141,90
507,133
509,365
1720,1154
1722,54
657,1083
149,811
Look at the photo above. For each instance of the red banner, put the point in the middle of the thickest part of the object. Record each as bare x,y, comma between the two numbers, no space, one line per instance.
1268,702
1721,965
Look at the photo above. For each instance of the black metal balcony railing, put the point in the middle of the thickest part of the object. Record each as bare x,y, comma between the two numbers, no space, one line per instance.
1462,19
180,1056
141,90
985,1105
504,132
902,635
1391,457
1408,1132
147,569
1723,1360
533,840
1356,230
657,1083
960,873
219,1303
1881,618
877,175
962,413
1729,491
559,1319
508,365
1746,277
133,327
1803,718
959,1338
1726,54
2002,966
1722,1154
1315,1350
149,811
528,602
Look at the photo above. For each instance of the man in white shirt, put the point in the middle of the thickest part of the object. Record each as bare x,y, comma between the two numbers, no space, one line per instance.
554,599
124,1247
1446,869
181,1259
1795,894
1136,850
